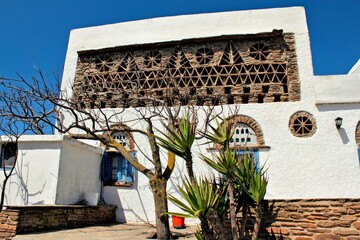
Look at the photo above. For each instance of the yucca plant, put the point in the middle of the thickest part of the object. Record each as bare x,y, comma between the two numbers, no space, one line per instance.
200,200
179,140
254,183
225,163
221,134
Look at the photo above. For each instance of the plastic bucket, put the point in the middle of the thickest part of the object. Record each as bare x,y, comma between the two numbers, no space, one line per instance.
178,222
91,198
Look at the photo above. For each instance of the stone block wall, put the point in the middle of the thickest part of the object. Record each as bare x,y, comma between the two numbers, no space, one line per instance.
21,219
320,219
8,222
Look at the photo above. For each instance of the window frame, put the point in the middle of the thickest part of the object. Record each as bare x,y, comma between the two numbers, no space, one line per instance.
125,175
5,155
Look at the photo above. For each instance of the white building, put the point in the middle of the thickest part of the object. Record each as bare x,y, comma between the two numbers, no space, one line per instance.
258,61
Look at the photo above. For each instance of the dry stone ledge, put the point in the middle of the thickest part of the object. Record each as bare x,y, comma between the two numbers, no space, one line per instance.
317,219
21,219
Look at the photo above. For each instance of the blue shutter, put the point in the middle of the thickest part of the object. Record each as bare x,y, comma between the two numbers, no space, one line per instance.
359,155
120,176
106,167
130,171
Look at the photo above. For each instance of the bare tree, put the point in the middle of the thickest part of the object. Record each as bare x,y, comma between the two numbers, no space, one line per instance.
43,107
9,137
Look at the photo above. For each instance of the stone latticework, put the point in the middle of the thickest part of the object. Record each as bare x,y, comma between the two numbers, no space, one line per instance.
302,124
241,69
357,134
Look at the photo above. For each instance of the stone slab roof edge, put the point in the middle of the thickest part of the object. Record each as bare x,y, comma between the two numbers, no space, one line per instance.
162,29
54,138
337,89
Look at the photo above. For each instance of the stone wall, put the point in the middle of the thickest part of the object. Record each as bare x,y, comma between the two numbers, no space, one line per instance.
240,69
21,219
324,219
8,222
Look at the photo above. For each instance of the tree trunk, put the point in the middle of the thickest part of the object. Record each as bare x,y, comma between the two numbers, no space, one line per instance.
234,226
206,229
3,192
244,220
257,222
158,188
189,168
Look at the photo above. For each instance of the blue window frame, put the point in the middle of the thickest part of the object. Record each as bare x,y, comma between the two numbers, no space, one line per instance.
359,154
115,168
254,154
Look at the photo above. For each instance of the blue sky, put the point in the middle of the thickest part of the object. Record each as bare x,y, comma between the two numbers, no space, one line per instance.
35,32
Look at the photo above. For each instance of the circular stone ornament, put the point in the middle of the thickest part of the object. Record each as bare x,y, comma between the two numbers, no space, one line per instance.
302,124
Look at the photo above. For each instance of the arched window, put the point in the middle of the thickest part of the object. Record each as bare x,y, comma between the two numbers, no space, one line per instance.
243,135
357,134
247,132
121,138
247,138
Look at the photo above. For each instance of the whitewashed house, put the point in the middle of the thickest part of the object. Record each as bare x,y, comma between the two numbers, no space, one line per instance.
257,61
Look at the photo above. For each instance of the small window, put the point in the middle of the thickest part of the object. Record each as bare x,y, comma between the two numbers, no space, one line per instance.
243,134
8,154
121,138
302,124
116,170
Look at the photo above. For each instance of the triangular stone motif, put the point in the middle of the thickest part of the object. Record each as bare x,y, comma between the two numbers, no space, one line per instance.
231,55
178,59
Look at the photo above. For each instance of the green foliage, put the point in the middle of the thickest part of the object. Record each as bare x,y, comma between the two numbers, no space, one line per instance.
221,134
225,162
201,198
252,180
180,139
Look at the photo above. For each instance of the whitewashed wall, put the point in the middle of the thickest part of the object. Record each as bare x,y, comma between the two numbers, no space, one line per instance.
79,171
53,170
322,166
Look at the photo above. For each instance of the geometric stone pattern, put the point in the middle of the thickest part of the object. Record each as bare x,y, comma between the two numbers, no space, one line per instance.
357,134
239,69
302,124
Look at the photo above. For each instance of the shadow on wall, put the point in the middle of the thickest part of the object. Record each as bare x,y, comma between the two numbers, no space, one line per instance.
344,137
337,107
112,195
22,181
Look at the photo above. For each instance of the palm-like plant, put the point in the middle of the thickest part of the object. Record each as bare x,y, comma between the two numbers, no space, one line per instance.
254,183
221,134
225,162
179,140
201,199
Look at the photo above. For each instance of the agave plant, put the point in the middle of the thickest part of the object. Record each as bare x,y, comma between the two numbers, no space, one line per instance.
254,183
221,134
225,163
200,200
179,141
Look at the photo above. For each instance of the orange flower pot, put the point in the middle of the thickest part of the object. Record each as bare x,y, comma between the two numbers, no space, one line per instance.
178,222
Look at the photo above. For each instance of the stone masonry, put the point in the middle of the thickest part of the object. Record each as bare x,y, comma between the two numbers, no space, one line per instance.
237,69
21,219
321,219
